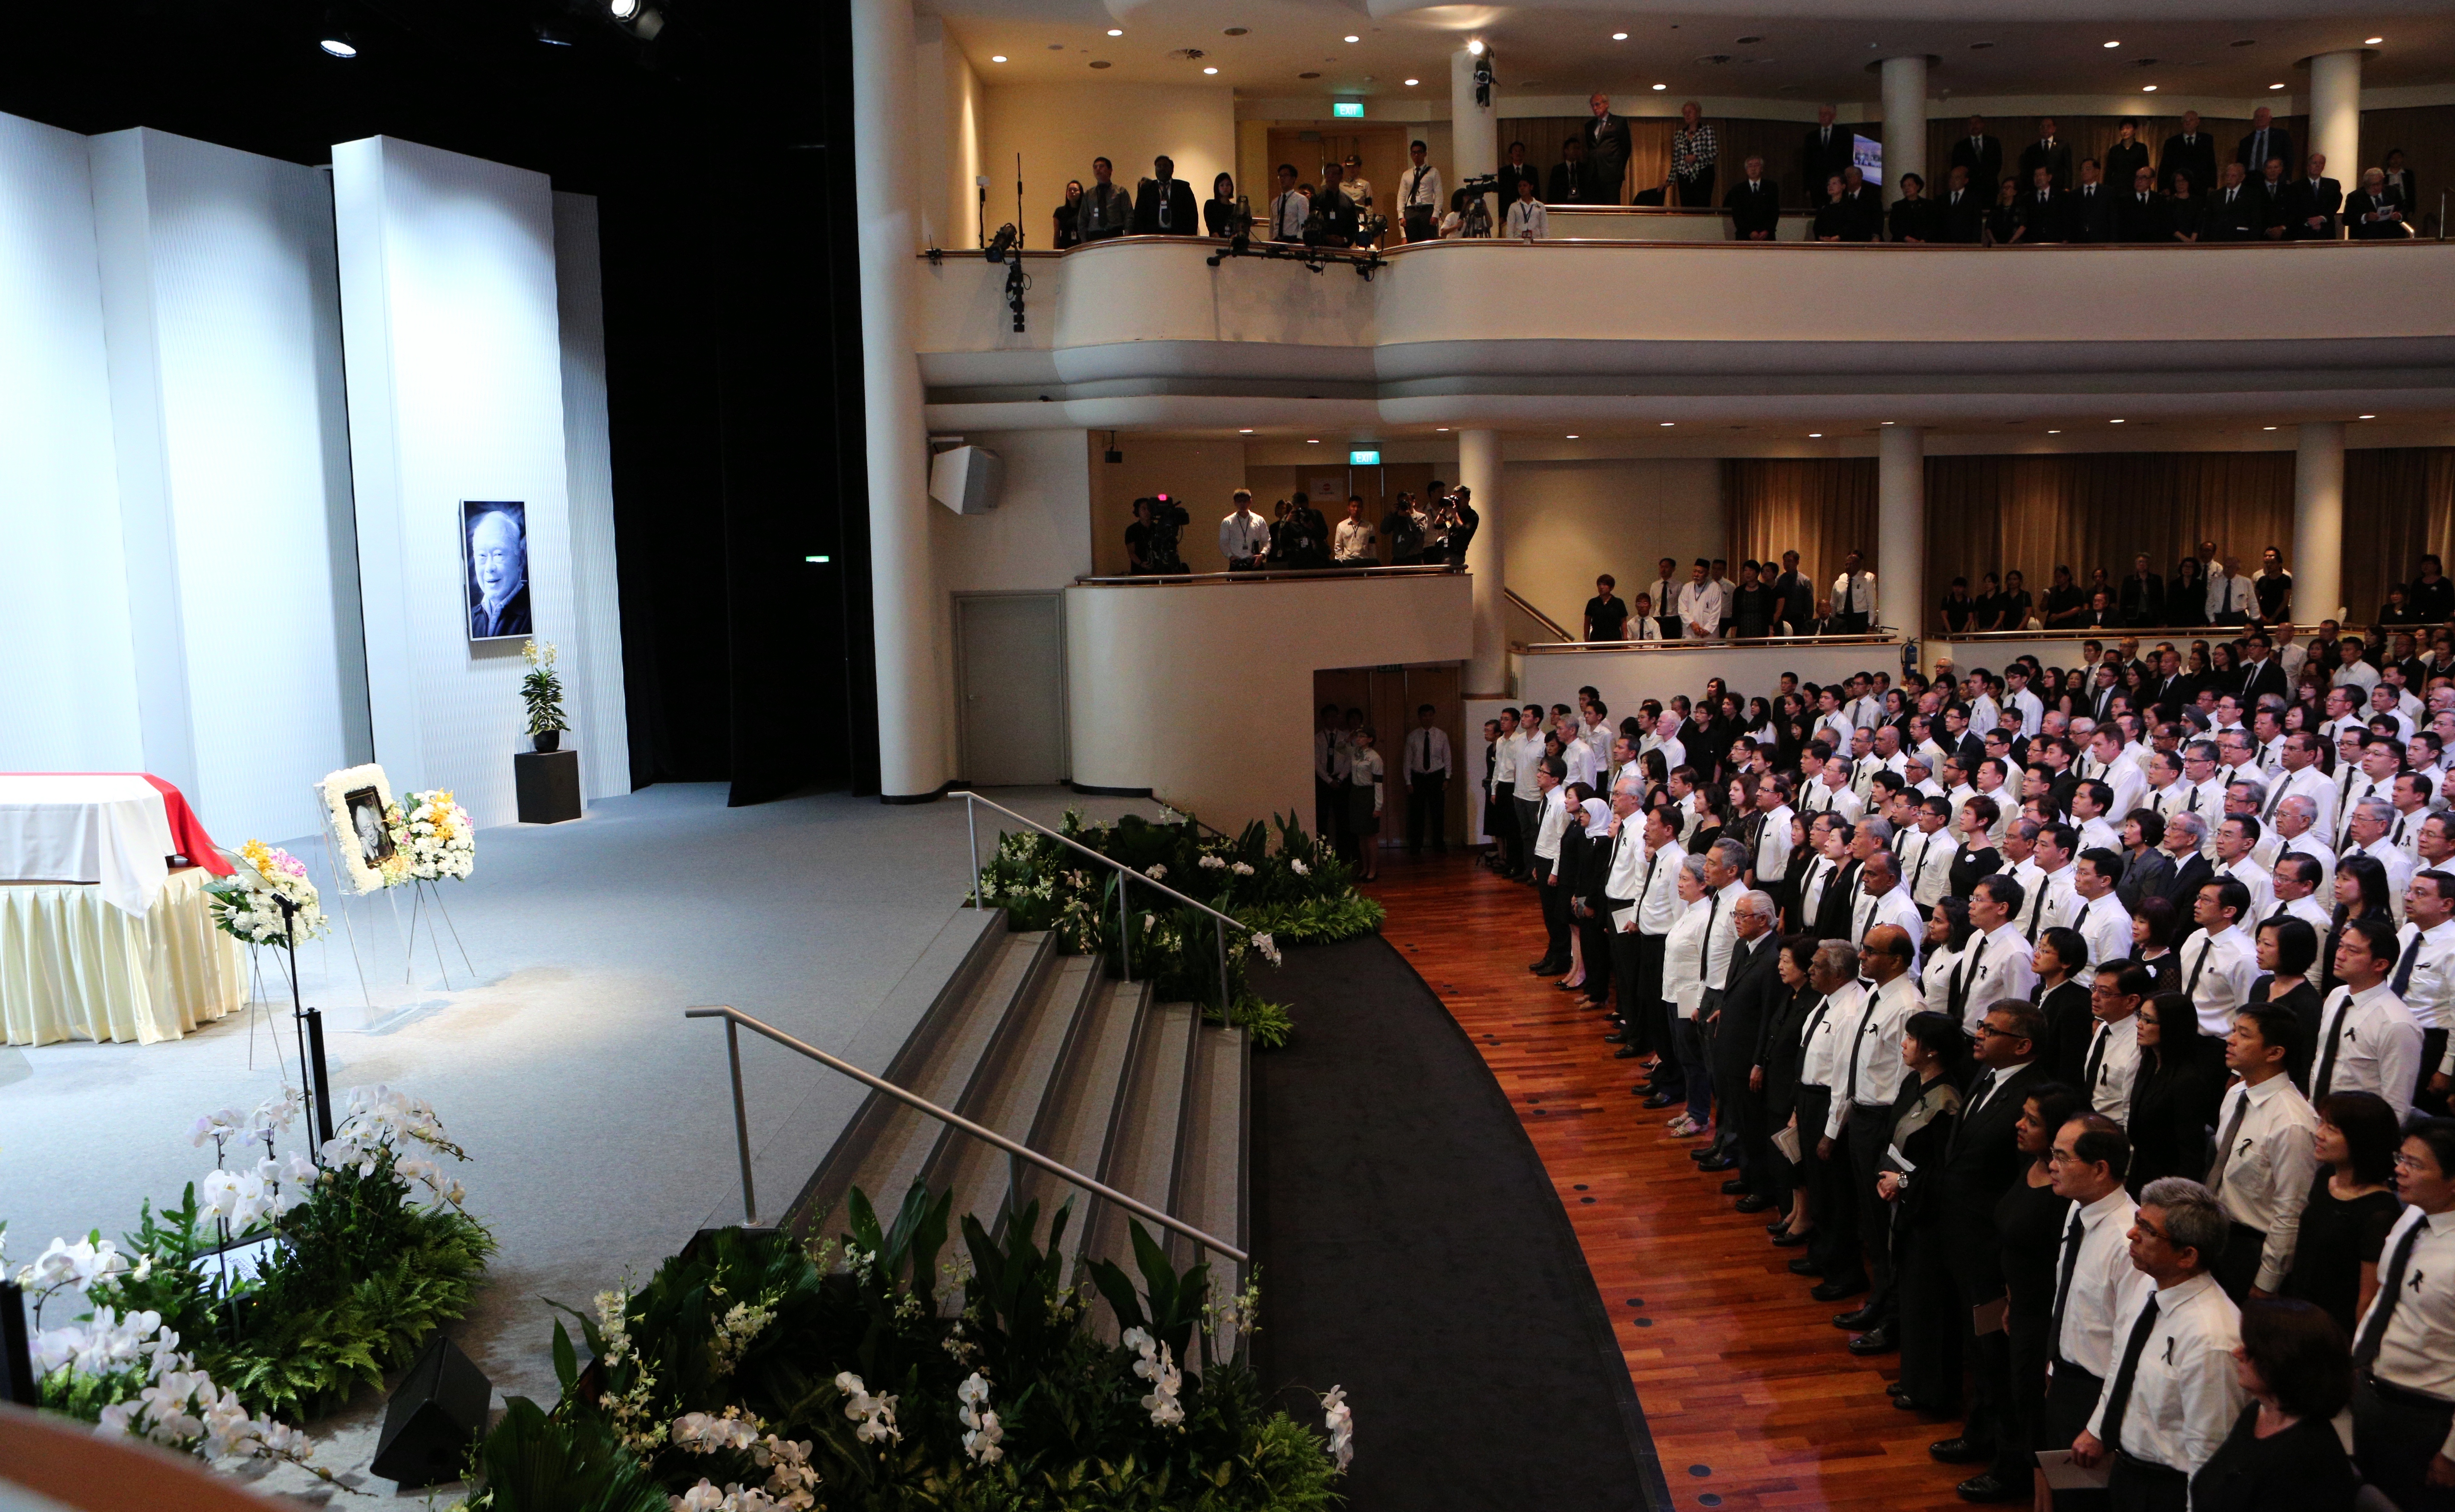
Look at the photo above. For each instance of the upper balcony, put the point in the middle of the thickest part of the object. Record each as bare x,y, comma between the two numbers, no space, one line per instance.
1146,332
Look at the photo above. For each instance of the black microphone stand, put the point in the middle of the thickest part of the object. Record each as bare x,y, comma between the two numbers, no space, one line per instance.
308,1023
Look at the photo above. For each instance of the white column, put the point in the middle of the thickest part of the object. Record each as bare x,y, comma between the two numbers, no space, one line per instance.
1904,121
1900,529
1475,134
2318,521
911,745
2335,118
1487,676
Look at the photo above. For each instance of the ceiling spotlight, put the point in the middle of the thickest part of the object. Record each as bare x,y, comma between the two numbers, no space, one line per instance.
1411,83
1116,31
2114,43
2268,428
1211,70
2366,417
1350,39
1815,435
622,9
2053,433
1313,440
1569,438
1440,428
1475,46
2147,89
335,39
1620,37
2276,86
1662,85
1668,423
997,58
2114,422
1244,430
2371,42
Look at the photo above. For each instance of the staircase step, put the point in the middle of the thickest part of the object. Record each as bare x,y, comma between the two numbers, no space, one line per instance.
889,1145
1210,1186
1143,1159
1080,1117
1012,1087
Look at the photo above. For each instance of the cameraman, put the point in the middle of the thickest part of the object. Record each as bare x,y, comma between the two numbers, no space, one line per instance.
1167,522
1335,221
1244,536
1404,529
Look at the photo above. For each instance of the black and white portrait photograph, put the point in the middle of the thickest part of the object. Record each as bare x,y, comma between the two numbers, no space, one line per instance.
367,820
494,561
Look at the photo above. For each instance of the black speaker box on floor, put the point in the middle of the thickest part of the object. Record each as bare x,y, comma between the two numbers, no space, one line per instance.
435,1419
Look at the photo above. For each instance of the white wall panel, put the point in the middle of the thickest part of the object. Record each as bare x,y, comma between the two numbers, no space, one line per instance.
221,300
68,694
454,363
604,736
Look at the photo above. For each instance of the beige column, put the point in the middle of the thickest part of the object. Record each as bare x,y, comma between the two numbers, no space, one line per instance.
2318,562
1904,122
1900,529
1487,676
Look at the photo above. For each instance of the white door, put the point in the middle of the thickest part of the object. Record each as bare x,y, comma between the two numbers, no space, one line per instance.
1010,669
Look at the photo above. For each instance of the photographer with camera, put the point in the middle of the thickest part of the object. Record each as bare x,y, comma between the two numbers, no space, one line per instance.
1244,536
1404,528
1419,195
1151,540
1335,220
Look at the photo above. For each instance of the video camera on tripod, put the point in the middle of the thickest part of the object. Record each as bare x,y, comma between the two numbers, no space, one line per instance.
1475,219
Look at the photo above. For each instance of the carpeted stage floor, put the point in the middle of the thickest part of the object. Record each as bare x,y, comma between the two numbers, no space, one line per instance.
1414,1250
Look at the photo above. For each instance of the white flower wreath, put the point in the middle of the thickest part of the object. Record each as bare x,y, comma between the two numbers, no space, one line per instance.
390,868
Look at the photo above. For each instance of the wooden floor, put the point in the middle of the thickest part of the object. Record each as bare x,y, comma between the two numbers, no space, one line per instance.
1753,1399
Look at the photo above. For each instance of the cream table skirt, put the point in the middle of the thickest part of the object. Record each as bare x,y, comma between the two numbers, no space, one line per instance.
74,967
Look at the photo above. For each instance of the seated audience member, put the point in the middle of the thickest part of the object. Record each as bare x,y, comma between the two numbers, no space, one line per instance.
2316,200
2404,1350
1754,204
1833,219
2002,226
2376,211
2046,210
1527,220
2143,215
2093,213
1961,210
2283,1452
1911,218
1866,204
2272,192
2231,212
1164,203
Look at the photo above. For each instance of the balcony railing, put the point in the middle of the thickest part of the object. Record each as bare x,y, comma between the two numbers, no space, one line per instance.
1265,574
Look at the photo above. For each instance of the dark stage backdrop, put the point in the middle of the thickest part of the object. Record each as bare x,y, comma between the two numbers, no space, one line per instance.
719,155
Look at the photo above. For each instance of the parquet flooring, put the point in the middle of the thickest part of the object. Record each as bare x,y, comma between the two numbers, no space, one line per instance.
1751,1398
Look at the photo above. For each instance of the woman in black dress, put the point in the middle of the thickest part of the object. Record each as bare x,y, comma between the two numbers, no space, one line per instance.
1784,1038
2002,224
2360,893
2283,1454
2144,831
1365,774
2175,1093
2183,214
1978,856
2224,671
2059,954
2152,935
2029,1221
2012,605
2186,597
1989,602
2287,947
1958,610
1068,216
1931,1322
2351,1206
1575,873
1219,210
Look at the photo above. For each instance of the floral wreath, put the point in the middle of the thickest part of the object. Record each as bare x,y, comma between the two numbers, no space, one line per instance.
335,790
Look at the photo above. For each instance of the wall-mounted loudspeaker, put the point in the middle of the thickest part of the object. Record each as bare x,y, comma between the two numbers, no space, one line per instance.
965,479
435,1419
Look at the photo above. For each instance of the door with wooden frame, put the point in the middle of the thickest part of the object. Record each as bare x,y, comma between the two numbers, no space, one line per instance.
1389,697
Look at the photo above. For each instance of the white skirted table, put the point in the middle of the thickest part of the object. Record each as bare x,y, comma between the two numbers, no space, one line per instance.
100,938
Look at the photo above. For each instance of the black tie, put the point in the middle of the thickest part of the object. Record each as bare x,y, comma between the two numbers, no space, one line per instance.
2224,1144
2036,909
2199,965
1866,1022
2072,1236
2365,1349
2326,1073
2403,983
2097,1058
2118,1396
1958,998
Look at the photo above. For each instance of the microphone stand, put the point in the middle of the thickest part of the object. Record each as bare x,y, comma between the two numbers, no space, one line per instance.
308,1023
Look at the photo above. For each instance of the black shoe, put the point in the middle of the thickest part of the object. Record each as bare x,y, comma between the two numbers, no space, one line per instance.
1625,1053
1568,986
1859,1320
1719,1163
1656,1099
1907,1403
1755,1202
1618,1037
1545,966
1896,1389
1991,1487
1962,1451
1786,1240
1808,1265
1734,1186
1881,1340
1834,1288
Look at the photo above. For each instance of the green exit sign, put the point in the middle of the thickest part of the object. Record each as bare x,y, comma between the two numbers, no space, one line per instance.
1347,110
1371,458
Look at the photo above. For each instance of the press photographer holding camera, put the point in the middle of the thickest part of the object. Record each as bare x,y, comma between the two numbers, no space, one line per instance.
1151,540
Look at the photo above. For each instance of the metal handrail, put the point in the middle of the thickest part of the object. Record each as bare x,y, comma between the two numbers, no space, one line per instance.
1264,575
1538,616
1884,636
735,1020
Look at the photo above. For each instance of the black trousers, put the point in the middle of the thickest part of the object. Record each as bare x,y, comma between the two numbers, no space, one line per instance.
1530,817
1324,810
2021,1428
1743,1113
2071,1400
1428,809
1593,944
2136,1485
1555,915
1695,192
1850,624
2396,1433
1500,820
1835,1245
1627,951
1977,1272
2237,1267
1868,1131
1932,1321
2433,1050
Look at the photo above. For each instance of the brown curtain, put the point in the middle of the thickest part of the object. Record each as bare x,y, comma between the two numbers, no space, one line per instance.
2090,135
1995,514
1821,508
2399,505
1648,146
2426,134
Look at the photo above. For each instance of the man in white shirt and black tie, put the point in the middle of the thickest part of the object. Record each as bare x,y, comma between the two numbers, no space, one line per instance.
2424,978
2097,914
2173,1394
2265,1153
2004,969
1859,1127
2111,1065
1926,853
2094,1282
2404,1348
1291,208
1428,776
2221,962
2368,1039
1420,201
1854,597
2301,885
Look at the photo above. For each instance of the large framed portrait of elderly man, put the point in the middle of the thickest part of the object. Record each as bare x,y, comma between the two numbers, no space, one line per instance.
495,569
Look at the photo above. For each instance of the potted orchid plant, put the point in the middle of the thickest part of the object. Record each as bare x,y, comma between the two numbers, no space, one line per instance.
541,690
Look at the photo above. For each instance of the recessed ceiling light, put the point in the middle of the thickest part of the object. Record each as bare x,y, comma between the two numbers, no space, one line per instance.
1620,37
1116,31
1662,85
2147,89
2366,417
1411,83
997,58
1476,48
2114,422
1569,438
2371,42
2268,428
1883,422
1440,428
1668,423
1313,440
1353,39
1244,430
2276,86
1815,435
2053,433
2110,44
1211,70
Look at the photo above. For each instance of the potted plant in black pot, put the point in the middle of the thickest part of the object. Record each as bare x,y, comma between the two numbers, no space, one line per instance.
542,692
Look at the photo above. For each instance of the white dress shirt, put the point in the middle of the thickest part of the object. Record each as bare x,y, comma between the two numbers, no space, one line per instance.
2105,1285
1935,977
2255,878
2268,1167
1700,604
1683,960
2429,989
2184,1394
2106,925
1926,865
2004,972
2417,1352
1244,534
1854,593
1426,751
1896,908
1527,220
2033,711
2050,899
2130,785
1552,825
1625,878
2367,1042
2308,843
1289,213
1659,908
1353,540
1724,936
2217,970
1772,846
1821,1037
2399,871
1871,1068
1811,888
2111,1066
1421,188
1530,760
2310,783
2098,835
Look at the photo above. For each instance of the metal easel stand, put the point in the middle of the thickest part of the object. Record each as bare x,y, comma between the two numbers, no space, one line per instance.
257,1007
434,891
421,892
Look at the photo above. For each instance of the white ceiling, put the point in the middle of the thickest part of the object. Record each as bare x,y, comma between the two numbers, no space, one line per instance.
1803,49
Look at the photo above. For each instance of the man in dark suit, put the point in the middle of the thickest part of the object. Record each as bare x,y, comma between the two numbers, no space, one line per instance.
2272,197
1793,594
2043,211
2142,593
1754,204
2377,210
2266,143
2140,215
1960,209
1979,1165
2262,674
2049,152
1866,205
1572,177
2185,834
2316,200
1164,203
1607,148
1515,168
1751,990
1824,156
1983,156
2232,212
2092,208
2189,150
